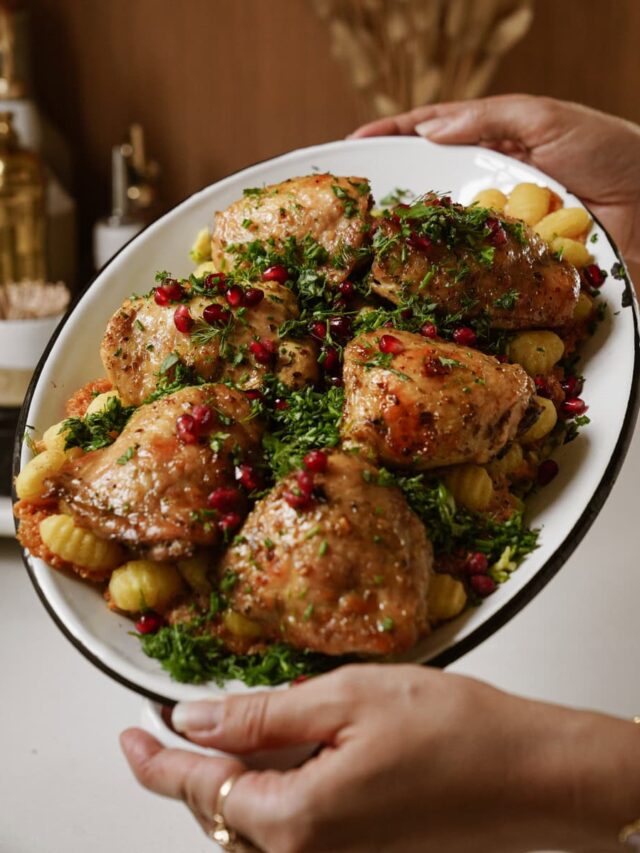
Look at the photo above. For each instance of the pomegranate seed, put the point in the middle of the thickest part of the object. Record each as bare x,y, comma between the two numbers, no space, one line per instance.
574,406
422,244
547,470
477,563
482,585
216,315
149,623
347,289
298,501
542,386
187,429
254,394
572,386
497,234
502,359
390,344
235,296
248,477
215,281
169,291
331,360
316,461
340,328
299,679
594,275
429,330
319,330
465,336
183,319
160,297
203,416
278,273
260,352
230,521
253,296
335,381
406,314
224,498
305,482
270,346
281,404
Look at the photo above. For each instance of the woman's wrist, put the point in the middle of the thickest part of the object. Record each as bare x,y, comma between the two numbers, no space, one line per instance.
587,772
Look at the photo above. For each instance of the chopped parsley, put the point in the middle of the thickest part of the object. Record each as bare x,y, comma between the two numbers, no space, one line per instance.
99,429
311,420
196,657
350,203
128,455
508,300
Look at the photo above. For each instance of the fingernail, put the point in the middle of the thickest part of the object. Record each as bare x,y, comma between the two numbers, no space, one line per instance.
431,127
196,716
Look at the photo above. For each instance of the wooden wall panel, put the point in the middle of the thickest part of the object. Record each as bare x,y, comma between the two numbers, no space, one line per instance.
219,84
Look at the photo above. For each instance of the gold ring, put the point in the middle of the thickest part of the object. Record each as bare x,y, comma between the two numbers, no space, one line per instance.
228,838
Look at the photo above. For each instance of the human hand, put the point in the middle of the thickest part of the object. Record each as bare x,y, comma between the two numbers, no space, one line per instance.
414,760
596,156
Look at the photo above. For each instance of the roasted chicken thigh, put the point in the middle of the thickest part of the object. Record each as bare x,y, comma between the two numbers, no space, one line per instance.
331,210
241,344
347,574
419,403
149,488
468,262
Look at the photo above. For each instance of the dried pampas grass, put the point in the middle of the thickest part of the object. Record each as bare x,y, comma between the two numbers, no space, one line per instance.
403,53
31,300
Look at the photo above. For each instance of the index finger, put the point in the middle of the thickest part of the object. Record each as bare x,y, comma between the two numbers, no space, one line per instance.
402,124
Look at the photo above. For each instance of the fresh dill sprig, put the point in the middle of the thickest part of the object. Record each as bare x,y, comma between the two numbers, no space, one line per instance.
99,429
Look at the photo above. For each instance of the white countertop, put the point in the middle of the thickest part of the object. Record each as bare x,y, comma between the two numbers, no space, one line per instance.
65,787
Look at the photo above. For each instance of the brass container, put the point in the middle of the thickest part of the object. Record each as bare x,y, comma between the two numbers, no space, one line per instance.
22,209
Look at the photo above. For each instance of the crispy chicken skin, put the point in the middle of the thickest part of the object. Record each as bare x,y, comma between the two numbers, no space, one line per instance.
146,501
333,210
434,404
524,287
348,575
141,334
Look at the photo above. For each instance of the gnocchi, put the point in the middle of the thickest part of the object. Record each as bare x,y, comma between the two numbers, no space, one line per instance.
446,599
565,222
31,481
491,198
545,422
79,546
471,486
142,585
528,202
537,351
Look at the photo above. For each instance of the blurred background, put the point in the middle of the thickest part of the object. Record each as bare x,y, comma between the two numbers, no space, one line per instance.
220,84
112,112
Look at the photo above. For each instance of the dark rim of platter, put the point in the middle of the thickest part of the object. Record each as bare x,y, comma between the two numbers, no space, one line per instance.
493,623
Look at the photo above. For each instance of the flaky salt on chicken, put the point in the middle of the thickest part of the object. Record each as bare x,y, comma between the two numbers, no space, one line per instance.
333,562
332,210
149,489
419,403
470,263
208,334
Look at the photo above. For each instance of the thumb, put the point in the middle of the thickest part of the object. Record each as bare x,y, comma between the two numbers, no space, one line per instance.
311,712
